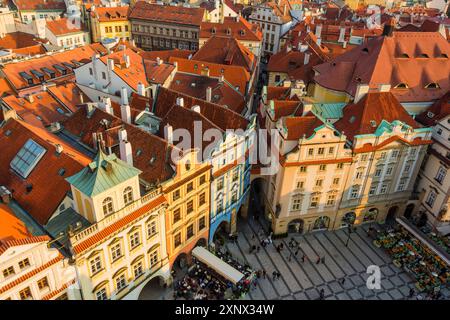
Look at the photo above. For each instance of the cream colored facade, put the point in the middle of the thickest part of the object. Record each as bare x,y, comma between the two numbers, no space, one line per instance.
125,247
32,271
434,180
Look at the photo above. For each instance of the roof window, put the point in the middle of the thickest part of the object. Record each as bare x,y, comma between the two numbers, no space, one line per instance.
27,158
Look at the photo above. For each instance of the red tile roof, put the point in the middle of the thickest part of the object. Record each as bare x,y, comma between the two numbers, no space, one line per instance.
166,55
118,225
381,61
287,108
236,75
437,111
12,70
64,26
228,51
297,127
40,5
48,186
375,106
238,28
157,73
68,94
18,40
222,117
162,13
6,244
222,93
105,14
43,111
11,227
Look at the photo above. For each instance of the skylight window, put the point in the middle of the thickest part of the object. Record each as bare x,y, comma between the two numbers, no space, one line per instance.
432,85
27,158
430,114
401,85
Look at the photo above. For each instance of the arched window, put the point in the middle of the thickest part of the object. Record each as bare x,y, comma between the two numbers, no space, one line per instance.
128,195
108,207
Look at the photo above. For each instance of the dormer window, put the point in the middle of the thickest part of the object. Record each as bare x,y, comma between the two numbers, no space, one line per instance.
128,195
443,56
352,119
108,207
213,30
404,55
401,85
432,85
373,123
423,56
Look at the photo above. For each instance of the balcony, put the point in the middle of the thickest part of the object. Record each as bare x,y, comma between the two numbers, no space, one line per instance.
110,219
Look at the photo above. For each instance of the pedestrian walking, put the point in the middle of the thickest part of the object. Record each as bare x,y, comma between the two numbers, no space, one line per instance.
278,275
257,249
323,259
303,258
296,252
253,236
411,293
342,281
264,274
318,260
322,294
274,275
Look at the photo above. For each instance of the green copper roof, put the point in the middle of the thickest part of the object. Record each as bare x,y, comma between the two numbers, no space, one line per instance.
328,110
105,172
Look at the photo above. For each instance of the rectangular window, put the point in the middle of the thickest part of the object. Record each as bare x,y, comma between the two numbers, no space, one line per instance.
176,195
331,200
8,272
339,166
202,179
389,171
220,205
319,182
431,199
440,176
103,75
394,154
378,172
134,240
24,263
43,284
190,231
176,215
154,257
138,270
96,265
190,187
330,150
201,199
401,184
296,203
373,189
25,294
354,192
116,252
201,223
220,184
190,206
300,185
151,229
310,152
336,181
359,174
314,201
321,151
322,167
101,294
177,240
383,189
302,169
235,174
121,282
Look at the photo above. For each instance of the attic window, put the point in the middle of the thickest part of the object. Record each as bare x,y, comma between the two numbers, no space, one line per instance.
8,133
443,55
213,31
61,171
432,85
430,114
423,55
366,50
401,85
404,55
352,119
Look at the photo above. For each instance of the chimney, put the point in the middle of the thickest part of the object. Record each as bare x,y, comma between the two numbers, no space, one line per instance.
127,60
29,98
168,133
306,58
307,107
123,96
318,31
344,44
126,153
125,113
284,9
196,108
180,101
341,34
141,89
208,94
384,87
361,91
110,65
5,194
107,105
221,78
388,28
59,148
81,97
319,41
158,61
288,48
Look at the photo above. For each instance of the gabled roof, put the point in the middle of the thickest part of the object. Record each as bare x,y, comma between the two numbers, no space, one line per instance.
437,111
365,116
18,40
64,26
45,187
386,59
299,127
102,174
105,14
163,13
221,92
225,50
43,5
238,28
68,94
157,73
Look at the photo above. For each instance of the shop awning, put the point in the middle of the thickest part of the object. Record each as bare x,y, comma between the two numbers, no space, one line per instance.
220,266
424,239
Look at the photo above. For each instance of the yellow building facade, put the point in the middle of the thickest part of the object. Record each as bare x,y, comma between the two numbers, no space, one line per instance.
110,23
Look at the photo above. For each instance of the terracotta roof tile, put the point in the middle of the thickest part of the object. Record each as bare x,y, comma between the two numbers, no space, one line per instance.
297,127
45,187
157,73
104,14
437,111
241,29
174,14
11,227
40,5
166,55
64,26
